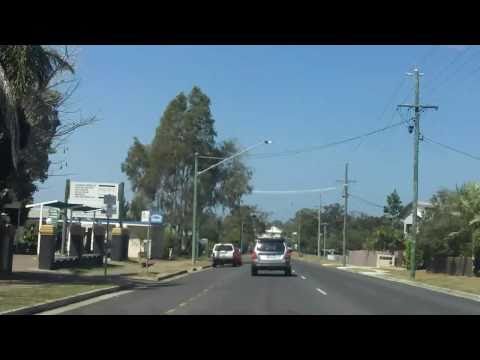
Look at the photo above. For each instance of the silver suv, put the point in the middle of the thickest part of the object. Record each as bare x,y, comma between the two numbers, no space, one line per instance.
271,254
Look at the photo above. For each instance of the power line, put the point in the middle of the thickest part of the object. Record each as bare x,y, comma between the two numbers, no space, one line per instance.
72,174
443,70
451,148
292,191
451,76
423,62
391,99
366,201
321,147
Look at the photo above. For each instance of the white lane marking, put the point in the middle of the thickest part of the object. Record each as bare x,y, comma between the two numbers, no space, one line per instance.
321,291
303,277
85,303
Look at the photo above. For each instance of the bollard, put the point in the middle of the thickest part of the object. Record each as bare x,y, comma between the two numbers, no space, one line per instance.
76,240
120,238
46,255
99,240
7,236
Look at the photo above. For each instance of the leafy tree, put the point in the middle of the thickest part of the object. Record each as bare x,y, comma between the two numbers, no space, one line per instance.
136,164
394,205
234,177
139,203
254,223
164,169
449,228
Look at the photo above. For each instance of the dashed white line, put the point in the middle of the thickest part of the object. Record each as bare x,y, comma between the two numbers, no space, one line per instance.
303,277
321,291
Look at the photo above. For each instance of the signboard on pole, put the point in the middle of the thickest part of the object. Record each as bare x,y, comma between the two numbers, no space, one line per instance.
155,219
92,194
145,216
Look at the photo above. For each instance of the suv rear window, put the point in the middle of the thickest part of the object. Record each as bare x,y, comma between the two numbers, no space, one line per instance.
271,246
223,248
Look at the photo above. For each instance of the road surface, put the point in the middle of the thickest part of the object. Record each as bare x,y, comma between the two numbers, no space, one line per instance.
312,290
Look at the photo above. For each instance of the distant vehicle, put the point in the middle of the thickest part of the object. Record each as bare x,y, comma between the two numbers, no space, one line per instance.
225,254
271,254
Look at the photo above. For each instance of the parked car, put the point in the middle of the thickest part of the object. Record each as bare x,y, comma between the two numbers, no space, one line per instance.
238,257
271,254
225,254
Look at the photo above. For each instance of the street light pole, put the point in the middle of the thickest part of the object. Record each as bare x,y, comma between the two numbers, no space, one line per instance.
194,220
198,173
319,232
325,240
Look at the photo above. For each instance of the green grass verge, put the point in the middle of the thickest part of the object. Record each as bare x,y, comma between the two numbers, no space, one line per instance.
13,296
460,283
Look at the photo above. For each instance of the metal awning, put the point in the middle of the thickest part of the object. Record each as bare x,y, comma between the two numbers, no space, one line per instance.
56,204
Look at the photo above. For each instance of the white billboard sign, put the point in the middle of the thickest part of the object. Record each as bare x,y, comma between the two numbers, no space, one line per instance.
92,194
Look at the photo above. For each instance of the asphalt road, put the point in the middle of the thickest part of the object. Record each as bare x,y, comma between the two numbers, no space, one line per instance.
312,290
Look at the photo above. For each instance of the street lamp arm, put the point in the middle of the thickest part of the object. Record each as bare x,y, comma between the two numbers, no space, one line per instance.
233,156
197,173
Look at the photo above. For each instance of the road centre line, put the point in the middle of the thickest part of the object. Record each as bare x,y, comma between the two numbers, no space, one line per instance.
321,291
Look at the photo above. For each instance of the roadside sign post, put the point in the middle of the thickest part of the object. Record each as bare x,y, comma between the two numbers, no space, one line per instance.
147,244
109,201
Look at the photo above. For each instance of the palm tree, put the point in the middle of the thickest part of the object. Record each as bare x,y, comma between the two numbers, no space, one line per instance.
27,102
25,73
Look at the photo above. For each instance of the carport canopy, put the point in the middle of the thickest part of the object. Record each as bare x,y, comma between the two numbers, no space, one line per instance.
55,204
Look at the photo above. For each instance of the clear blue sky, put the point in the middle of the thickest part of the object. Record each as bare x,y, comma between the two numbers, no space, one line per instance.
296,96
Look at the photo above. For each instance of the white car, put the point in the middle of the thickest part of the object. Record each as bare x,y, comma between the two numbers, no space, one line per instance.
225,254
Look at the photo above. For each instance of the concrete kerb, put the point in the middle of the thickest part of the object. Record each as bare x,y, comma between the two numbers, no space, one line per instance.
193,269
50,305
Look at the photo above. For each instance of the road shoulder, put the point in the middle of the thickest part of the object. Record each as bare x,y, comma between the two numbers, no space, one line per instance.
385,274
